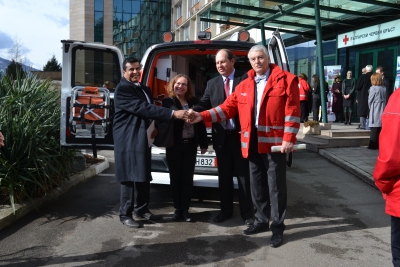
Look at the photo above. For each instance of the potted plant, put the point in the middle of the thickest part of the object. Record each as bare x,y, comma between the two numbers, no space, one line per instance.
311,127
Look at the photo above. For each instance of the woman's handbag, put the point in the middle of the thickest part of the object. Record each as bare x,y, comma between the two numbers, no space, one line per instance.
165,136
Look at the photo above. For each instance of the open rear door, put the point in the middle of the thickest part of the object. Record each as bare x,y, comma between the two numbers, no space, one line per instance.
277,51
90,74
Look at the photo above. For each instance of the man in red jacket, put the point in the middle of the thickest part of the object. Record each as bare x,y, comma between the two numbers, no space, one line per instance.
269,113
387,171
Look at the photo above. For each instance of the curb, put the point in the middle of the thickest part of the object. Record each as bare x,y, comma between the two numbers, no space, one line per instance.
7,217
361,174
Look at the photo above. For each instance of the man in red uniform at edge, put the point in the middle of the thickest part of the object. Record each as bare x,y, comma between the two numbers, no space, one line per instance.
269,113
387,172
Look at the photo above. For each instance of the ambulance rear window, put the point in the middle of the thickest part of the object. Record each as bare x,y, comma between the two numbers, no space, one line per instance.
95,67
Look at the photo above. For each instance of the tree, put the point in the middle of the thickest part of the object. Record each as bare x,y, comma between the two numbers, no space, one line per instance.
15,70
52,65
16,52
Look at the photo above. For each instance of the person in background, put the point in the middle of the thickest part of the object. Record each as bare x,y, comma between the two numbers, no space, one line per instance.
107,85
304,88
134,110
376,103
1,140
348,91
181,157
317,97
363,85
387,172
337,103
268,105
385,82
226,140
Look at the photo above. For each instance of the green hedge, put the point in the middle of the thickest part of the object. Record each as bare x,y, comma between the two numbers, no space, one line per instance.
32,162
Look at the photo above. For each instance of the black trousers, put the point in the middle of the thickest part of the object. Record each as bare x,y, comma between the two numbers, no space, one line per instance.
231,163
395,241
304,110
181,161
268,187
374,137
135,197
315,108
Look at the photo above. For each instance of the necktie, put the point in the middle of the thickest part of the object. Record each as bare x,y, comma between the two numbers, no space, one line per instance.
227,87
257,79
227,91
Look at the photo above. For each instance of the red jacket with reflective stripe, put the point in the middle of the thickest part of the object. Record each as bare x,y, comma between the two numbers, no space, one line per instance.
279,118
304,88
387,172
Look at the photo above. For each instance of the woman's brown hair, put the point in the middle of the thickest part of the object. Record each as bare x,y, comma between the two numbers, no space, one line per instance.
190,91
303,76
376,79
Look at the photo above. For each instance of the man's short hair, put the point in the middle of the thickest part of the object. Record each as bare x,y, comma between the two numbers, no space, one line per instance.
380,68
369,68
129,60
228,53
258,48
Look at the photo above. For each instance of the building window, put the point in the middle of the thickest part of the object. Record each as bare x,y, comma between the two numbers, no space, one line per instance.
99,21
194,2
205,25
178,12
186,33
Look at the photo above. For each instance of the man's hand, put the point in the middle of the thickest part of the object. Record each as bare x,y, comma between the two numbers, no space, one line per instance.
1,140
287,147
180,114
194,117
154,134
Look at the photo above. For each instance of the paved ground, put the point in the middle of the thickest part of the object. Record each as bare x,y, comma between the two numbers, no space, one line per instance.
333,219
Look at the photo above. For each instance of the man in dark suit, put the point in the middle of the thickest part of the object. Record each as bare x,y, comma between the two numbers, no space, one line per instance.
226,141
385,82
134,111
363,85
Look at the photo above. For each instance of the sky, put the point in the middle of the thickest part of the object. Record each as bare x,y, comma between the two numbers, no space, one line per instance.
38,25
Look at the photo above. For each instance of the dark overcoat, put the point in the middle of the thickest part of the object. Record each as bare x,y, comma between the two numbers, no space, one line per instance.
214,96
363,85
132,117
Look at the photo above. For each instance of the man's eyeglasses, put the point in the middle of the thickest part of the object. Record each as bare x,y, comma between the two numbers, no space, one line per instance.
181,84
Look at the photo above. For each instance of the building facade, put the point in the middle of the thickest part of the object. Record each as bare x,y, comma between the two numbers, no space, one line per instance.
131,25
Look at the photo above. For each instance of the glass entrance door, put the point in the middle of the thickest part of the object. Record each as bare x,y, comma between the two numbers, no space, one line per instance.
385,57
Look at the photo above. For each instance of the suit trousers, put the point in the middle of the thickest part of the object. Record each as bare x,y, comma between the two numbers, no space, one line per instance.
363,122
268,187
231,163
303,111
315,108
395,240
181,161
135,197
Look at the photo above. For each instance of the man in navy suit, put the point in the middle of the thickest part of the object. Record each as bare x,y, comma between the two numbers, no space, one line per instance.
226,140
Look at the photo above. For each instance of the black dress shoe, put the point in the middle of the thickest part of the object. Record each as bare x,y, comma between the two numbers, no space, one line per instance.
149,216
131,223
221,217
177,217
255,229
276,240
249,221
186,216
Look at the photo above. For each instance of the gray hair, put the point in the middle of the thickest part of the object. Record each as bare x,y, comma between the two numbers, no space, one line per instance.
258,48
369,68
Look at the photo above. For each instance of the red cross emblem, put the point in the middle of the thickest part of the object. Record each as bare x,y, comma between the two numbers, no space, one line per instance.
345,39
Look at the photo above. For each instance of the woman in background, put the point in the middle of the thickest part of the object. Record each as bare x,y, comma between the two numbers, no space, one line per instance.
376,104
348,89
304,88
181,157
337,103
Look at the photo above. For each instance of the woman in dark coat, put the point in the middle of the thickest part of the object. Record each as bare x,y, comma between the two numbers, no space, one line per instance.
317,97
348,91
337,103
181,157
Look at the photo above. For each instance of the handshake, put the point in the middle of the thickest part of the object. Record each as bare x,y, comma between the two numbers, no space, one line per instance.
190,116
